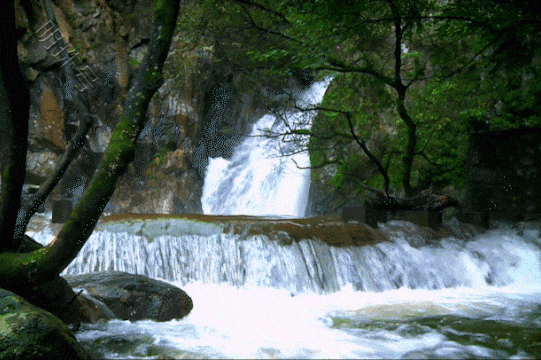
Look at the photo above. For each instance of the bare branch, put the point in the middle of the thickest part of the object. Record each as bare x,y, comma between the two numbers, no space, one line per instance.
74,148
368,153
261,7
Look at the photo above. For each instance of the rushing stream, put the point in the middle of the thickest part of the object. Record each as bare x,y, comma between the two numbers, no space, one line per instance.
256,299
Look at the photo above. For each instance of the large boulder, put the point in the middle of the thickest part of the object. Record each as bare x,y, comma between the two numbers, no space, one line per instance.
134,297
29,332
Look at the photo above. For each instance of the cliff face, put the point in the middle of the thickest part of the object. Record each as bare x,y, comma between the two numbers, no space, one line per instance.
84,66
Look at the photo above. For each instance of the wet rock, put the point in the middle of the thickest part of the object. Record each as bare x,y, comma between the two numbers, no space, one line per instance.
28,332
57,297
92,310
130,345
41,164
135,297
126,346
286,231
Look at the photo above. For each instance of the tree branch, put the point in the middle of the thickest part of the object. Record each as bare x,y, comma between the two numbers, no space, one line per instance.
261,7
368,153
344,68
353,136
74,148
378,192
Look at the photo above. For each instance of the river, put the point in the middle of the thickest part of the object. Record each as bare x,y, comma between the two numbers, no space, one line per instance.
253,298
256,297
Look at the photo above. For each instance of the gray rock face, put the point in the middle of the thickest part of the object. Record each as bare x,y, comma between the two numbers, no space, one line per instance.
203,115
204,108
28,332
134,297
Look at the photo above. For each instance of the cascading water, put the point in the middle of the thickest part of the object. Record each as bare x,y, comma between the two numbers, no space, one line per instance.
257,298
257,180
254,298
309,265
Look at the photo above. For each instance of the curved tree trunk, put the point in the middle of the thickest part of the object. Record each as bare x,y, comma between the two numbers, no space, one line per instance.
401,89
407,159
76,144
21,271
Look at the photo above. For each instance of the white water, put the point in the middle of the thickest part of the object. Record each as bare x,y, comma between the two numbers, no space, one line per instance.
257,180
255,299
311,265
253,322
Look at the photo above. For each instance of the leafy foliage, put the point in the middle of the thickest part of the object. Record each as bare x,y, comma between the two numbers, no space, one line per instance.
411,77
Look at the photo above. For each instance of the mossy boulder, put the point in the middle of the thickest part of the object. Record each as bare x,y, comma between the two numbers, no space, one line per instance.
29,332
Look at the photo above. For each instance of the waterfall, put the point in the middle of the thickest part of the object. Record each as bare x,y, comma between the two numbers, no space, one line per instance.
257,180
498,258
256,298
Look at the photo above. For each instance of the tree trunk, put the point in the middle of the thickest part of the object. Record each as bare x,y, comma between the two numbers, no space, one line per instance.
407,159
76,144
401,89
14,114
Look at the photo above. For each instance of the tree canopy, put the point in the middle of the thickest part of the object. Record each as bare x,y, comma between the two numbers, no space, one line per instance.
411,78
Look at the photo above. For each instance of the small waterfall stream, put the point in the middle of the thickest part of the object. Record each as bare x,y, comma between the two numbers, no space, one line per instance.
500,259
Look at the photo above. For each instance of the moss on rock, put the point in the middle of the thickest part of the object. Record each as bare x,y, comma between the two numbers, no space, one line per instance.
28,332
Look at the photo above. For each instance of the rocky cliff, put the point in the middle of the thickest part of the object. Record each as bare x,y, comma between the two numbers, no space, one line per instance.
79,58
